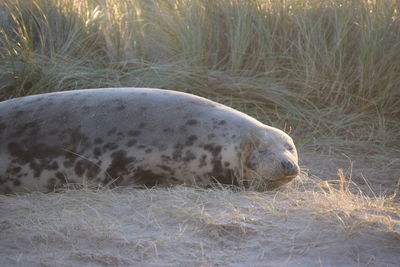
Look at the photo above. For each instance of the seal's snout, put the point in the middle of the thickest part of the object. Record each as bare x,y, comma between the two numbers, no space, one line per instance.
290,168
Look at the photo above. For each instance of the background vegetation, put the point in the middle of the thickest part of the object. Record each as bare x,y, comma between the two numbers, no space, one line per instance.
326,71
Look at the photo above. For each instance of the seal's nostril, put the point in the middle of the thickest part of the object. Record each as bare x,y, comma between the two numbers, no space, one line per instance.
287,164
289,168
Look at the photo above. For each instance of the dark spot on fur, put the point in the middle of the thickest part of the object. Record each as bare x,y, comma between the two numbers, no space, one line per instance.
121,107
16,182
191,122
131,142
97,151
217,171
112,131
166,168
174,179
147,177
30,151
210,136
2,127
214,149
203,161
23,128
79,168
13,170
190,141
222,122
19,113
134,133
189,156
142,111
75,141
141,146
119,165
98,140
177,154
165,158
70,160
227,164
149,150
222,175
141,125
51,184
110,146
84,166
52,166
37,168
169,131
60,176
161,147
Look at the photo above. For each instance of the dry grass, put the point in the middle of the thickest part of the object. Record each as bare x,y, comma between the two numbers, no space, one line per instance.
308,222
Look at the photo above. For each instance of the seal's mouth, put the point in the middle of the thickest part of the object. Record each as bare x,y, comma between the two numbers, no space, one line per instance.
276,182
281,179
270,183
287,178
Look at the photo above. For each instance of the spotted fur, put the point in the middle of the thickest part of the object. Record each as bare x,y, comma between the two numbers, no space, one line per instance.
135,136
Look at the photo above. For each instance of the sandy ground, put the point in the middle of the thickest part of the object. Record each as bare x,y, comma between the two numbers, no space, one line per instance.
308,223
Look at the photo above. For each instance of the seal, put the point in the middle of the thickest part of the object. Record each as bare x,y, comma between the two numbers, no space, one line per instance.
139,136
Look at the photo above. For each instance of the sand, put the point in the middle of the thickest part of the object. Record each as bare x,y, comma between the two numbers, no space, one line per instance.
310,222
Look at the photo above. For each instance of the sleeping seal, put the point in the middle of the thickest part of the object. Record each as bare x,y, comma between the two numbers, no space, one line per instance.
137,136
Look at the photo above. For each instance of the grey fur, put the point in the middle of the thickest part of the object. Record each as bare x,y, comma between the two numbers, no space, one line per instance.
135,136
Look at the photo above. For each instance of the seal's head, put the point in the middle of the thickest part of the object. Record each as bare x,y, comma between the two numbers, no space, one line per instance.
273,160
